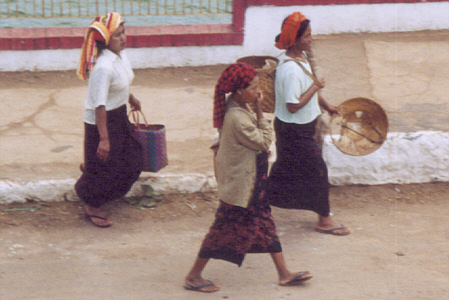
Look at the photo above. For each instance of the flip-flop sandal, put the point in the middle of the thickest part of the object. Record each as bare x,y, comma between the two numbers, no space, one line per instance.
200,287
98,217
301,277
332,230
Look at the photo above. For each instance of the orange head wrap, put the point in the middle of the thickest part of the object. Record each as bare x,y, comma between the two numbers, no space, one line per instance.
290,30
101,30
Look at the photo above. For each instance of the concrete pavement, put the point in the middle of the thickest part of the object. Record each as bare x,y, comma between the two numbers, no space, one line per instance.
41,129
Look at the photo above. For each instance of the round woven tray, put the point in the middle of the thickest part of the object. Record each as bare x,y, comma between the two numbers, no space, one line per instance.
361,128
266,74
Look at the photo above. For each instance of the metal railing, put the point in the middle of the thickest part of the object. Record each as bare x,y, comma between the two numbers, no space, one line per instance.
92,8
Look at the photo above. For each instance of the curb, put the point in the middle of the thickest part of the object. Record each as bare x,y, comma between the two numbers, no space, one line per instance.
416,157
60,190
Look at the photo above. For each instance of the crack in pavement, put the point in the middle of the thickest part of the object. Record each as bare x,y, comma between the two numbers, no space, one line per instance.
31,119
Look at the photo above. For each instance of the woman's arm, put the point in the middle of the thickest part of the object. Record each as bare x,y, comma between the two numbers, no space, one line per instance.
331,109
306,97
104,145
253,136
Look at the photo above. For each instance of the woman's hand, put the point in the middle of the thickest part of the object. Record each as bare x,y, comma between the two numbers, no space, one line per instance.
320,83
258,104
134,102
259,99
103,149
332,109
104,145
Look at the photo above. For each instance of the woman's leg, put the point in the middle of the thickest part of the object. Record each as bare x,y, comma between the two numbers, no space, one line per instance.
326,224
82,186
194,280
285,276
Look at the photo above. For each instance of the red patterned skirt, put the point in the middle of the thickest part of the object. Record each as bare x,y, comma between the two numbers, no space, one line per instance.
237,230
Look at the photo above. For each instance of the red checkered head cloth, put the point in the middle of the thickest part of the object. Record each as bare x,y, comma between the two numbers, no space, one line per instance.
236,76
290,30
100,30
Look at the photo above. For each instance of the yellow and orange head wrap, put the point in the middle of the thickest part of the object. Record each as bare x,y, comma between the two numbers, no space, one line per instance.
290,30
100,30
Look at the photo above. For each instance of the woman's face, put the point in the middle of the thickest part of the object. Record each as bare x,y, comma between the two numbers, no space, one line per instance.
118,40
304,43
250,94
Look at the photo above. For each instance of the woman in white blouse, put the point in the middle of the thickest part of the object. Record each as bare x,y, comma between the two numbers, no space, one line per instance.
299,179
112,156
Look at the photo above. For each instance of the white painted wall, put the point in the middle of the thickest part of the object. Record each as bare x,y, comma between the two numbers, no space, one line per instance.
262,24
403,158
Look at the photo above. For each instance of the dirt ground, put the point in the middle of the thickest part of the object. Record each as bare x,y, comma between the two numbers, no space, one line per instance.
398,249
167,77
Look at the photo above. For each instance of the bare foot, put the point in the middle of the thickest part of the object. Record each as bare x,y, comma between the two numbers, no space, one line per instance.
295,278
97,217
200,285
328,225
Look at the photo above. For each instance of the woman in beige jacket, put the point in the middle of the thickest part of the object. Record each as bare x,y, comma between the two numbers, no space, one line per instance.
243,222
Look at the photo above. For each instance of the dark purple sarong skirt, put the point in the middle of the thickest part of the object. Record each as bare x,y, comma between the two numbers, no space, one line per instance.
237,230
110,180
298,179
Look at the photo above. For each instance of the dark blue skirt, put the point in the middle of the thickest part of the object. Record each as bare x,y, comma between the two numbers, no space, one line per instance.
298,179
106,181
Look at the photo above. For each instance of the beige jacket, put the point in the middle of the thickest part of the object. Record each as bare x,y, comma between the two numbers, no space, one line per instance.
242,136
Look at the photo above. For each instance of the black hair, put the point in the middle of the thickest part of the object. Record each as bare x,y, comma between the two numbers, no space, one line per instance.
302,28
100,46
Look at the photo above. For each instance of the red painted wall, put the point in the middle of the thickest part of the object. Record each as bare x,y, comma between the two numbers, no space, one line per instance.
161,36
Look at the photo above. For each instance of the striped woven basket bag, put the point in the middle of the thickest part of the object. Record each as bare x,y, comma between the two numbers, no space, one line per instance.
152,139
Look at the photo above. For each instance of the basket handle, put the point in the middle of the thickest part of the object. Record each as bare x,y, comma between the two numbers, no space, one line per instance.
135,114
362,135
311,75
